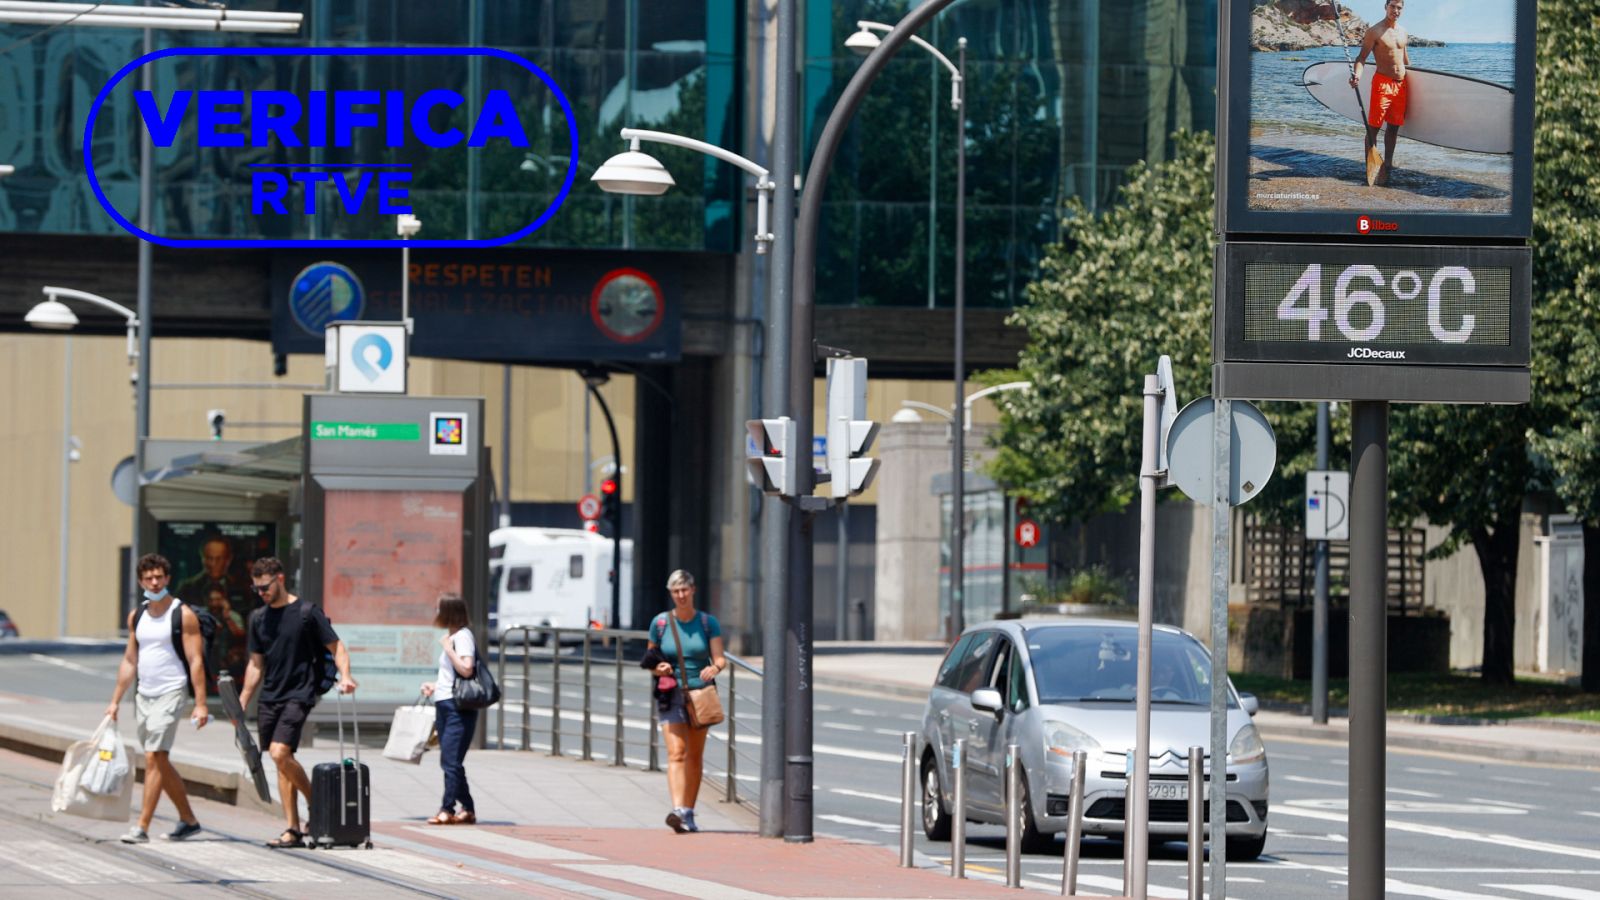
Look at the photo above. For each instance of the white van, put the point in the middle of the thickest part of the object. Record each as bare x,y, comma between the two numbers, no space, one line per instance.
554,576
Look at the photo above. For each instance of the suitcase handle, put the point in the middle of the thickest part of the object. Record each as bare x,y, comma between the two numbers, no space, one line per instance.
355,721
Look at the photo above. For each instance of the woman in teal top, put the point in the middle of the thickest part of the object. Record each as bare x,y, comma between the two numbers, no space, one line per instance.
703,661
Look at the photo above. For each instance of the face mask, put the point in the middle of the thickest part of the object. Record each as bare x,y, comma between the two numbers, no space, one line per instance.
153,596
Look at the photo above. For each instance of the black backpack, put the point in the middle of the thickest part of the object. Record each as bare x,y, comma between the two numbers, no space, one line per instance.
208,631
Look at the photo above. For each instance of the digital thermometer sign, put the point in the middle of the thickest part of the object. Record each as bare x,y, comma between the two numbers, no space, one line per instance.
1376,308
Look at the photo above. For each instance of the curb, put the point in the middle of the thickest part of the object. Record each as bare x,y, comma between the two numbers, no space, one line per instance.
62,646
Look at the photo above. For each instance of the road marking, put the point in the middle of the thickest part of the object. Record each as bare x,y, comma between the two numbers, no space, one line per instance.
858,711
823,707
230,861
1392,886
1549,890
415,868
1294,756
1407,793
1431,772
841,726
1594,814
1305,836
1115,884
76,864
1451,833
1502,803
860,823
889,732
663,880
72,666
865,794
1417,806
495,842
1509,780
1303,780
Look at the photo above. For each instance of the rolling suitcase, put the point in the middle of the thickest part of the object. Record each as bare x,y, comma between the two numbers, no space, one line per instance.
341,800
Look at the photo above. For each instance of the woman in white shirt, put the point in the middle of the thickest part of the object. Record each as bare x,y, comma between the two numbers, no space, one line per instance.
454,726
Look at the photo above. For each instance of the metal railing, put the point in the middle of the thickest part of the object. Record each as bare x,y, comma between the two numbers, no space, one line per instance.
548,646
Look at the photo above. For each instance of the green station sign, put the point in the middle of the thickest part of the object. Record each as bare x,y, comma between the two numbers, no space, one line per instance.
366,431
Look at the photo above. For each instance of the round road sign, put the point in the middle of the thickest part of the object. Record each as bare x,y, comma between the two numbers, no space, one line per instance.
1027,533
588,507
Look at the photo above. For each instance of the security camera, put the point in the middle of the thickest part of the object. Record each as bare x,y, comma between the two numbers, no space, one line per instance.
407,225
215,417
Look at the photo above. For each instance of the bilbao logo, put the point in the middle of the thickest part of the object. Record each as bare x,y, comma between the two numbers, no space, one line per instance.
330,167
1367,225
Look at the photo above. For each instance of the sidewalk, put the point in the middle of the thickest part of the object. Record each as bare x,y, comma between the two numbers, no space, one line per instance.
907,670
573,827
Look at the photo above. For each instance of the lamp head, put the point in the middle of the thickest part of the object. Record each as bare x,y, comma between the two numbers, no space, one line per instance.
52,314
7,170
862,42
633,172
407,225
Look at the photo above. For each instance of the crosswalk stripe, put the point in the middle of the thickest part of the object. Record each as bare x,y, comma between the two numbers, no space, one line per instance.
1501,840
663,880
75,865
859,823
865,795
415,868
1406,889
495,842
1549,890
239,863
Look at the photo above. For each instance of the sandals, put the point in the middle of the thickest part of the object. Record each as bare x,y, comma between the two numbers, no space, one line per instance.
441,818
296,840
465,817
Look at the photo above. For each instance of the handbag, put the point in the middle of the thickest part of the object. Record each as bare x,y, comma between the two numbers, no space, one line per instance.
69,795
409,733
701,705
479,691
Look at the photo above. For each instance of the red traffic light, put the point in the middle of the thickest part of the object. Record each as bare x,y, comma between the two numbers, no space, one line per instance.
608,486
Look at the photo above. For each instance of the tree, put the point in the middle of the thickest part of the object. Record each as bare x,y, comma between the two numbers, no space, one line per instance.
1566,273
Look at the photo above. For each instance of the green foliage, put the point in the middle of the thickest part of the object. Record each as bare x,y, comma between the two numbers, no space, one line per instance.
1566,248
1093,585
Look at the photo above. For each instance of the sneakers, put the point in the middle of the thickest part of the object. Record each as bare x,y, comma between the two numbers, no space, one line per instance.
677,822
688,821
136,835
184,831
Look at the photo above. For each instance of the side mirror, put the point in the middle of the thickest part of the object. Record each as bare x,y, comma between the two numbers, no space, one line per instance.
988,700
1249,702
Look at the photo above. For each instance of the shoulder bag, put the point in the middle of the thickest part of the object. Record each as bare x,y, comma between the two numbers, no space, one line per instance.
702,705
480,691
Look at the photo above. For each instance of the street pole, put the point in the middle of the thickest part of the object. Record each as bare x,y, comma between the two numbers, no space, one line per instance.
1319,607
505,446
616,527
1369,482
1221,548
841,574
66,481
1137,802
802,373
958,455
775,515
141,385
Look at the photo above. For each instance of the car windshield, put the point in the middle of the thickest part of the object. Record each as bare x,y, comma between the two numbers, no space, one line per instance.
1097,665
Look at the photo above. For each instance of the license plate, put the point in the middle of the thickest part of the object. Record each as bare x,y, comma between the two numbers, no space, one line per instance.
1169,790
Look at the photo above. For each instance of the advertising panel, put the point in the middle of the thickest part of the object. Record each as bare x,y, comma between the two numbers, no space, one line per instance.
1378,118
211,570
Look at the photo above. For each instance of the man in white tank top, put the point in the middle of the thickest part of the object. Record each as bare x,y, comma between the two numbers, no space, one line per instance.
164,682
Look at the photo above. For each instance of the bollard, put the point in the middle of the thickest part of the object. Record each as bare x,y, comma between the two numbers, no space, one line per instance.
1197,845
555,692
588,744
1127,825
1013,817
500,711
618,750
527,682
958,809
908,798
1069,858
733,765
655,737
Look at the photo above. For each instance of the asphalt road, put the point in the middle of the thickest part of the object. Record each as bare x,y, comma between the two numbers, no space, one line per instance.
1458,828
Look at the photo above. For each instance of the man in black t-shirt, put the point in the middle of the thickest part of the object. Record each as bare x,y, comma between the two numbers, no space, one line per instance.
286,639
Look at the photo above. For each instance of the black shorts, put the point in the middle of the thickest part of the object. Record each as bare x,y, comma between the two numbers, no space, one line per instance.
281,722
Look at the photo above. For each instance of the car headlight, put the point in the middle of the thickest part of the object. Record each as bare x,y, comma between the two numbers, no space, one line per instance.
1061,738
1246,746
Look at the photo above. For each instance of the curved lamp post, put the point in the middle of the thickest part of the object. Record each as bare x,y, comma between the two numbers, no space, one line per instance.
53,315
640,174
865,41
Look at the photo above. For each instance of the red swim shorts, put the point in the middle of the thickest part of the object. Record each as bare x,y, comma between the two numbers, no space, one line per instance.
1388,103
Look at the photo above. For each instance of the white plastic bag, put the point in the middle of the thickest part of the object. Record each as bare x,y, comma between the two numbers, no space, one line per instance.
108,766
70,796
409,733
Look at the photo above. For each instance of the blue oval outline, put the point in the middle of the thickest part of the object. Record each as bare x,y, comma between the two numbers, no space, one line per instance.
136,231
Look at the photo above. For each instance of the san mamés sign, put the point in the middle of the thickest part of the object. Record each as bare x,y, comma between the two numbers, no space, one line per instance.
352,153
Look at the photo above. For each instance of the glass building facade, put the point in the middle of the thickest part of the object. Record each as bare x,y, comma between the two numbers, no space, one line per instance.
1062,97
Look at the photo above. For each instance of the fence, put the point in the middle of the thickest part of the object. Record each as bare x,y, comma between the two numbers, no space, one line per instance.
1279,567
550,650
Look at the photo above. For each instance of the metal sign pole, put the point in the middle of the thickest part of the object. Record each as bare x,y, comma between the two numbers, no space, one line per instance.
1369,477
1319,608
1221,537
1137,803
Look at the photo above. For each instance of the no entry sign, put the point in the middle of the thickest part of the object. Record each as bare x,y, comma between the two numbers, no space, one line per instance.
588,507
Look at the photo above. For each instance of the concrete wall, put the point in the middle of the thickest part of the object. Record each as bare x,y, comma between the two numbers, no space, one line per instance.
1454,585
906,588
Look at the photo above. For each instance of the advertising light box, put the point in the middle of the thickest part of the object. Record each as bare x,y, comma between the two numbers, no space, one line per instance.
1433,137
1370,318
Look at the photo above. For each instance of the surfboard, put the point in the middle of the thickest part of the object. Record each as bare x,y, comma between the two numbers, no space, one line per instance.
1441,109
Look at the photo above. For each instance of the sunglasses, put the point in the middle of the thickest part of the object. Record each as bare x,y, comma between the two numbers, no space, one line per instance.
263,588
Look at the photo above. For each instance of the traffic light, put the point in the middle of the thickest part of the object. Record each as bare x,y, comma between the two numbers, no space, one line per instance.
773,460
850,432
611,504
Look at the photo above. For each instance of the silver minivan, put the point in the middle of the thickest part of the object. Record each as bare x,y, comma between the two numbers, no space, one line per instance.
1054,686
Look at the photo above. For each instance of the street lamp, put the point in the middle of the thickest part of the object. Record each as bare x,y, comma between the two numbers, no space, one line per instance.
864,42
53,315
407,226
642,175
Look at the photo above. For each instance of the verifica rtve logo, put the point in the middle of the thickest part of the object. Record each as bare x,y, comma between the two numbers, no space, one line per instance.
294,145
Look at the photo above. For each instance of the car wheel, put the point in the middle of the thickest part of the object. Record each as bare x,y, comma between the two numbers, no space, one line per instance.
1033,840
935,818
1246,849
